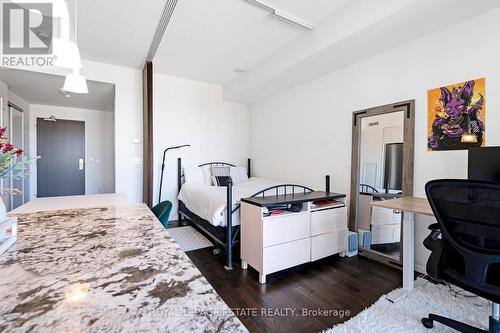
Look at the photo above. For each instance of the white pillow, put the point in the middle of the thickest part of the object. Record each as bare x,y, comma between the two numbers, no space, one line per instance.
207,175
238,175
193,175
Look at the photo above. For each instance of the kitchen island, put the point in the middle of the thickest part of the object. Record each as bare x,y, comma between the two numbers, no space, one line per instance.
106,269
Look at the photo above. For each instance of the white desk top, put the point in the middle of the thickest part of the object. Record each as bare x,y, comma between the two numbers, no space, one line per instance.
72,202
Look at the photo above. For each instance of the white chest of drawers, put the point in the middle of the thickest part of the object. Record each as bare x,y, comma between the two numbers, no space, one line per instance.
277,242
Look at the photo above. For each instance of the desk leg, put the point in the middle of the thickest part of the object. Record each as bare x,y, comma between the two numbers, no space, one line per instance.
408,259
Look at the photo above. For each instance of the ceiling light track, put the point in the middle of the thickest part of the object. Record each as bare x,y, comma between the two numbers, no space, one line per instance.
283,16
162,27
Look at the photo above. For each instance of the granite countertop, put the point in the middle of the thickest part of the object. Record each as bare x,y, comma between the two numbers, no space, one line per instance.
112,269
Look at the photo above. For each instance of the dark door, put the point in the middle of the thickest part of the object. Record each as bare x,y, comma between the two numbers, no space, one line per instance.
393,175
61,168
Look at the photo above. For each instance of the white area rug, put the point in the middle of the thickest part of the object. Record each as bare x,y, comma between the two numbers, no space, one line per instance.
405,315
188,238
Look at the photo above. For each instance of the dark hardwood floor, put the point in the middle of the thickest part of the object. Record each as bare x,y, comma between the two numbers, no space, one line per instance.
344,285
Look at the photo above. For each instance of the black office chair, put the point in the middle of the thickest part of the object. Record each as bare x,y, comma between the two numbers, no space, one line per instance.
468,252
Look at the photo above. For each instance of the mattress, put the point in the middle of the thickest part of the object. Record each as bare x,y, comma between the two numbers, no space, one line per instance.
209,202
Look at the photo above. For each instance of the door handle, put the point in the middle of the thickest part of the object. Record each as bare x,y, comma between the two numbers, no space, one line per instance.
80,164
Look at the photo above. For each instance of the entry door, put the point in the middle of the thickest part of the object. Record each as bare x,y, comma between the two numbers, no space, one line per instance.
61,168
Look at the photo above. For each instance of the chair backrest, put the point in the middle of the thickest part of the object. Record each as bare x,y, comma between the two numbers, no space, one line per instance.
468,213
162,212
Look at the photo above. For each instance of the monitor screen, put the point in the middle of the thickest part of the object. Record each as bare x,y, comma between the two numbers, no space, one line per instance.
484,163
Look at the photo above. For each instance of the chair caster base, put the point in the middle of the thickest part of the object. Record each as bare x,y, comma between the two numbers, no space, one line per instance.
456,325
428,323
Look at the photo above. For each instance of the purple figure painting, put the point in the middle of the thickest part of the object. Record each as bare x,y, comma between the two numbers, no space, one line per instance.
457,112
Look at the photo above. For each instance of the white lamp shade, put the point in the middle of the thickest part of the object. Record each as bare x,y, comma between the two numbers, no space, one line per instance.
67,54
76,83
59,8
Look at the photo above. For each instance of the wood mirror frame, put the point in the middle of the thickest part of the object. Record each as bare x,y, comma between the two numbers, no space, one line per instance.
408,107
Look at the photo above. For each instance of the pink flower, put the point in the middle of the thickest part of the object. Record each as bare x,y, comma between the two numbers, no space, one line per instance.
19,152
8,147
2,131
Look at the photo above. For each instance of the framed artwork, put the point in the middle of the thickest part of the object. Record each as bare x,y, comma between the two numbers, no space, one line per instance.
457,116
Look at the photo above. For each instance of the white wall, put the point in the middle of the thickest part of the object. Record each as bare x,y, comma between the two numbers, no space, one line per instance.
128,124
311,124
128,121
190,112
99,145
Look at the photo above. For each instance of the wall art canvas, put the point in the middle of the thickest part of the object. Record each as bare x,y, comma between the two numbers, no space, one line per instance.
457,116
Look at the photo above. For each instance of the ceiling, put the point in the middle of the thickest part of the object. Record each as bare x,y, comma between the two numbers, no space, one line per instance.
206,40
117,32
360,30
41,88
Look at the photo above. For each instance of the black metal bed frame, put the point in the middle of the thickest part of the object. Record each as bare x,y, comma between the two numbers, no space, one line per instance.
227,237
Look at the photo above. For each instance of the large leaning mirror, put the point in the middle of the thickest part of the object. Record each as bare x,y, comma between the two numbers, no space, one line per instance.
382,169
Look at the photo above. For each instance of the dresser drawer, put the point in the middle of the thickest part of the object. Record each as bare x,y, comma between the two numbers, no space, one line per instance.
385,216
285,228
279,257
328,244
329,220
386,233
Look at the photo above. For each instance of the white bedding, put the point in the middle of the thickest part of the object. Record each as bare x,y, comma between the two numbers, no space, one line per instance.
209,202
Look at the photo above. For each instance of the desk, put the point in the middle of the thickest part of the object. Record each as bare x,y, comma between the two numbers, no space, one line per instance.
409,206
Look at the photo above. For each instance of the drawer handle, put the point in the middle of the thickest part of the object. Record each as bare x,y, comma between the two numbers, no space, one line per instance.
395,211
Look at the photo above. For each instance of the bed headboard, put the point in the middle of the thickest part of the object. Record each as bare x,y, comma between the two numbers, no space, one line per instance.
180,173
216,164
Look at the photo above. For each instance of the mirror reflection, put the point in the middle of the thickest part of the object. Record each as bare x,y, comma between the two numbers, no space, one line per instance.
381,178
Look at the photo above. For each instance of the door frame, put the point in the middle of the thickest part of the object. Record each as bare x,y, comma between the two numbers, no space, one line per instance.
34,152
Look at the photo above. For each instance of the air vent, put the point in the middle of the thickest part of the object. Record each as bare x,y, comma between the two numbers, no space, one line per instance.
162,27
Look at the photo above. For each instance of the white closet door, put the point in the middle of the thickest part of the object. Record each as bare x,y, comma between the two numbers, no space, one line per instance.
6,183
13,119
17,139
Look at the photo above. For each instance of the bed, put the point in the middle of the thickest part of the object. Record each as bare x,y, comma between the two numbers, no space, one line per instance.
204,205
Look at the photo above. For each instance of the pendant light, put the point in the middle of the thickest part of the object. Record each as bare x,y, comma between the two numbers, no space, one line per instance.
468,136
66,52
76,82
59,8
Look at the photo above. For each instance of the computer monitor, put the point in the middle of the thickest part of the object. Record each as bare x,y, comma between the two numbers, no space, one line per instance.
484,163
